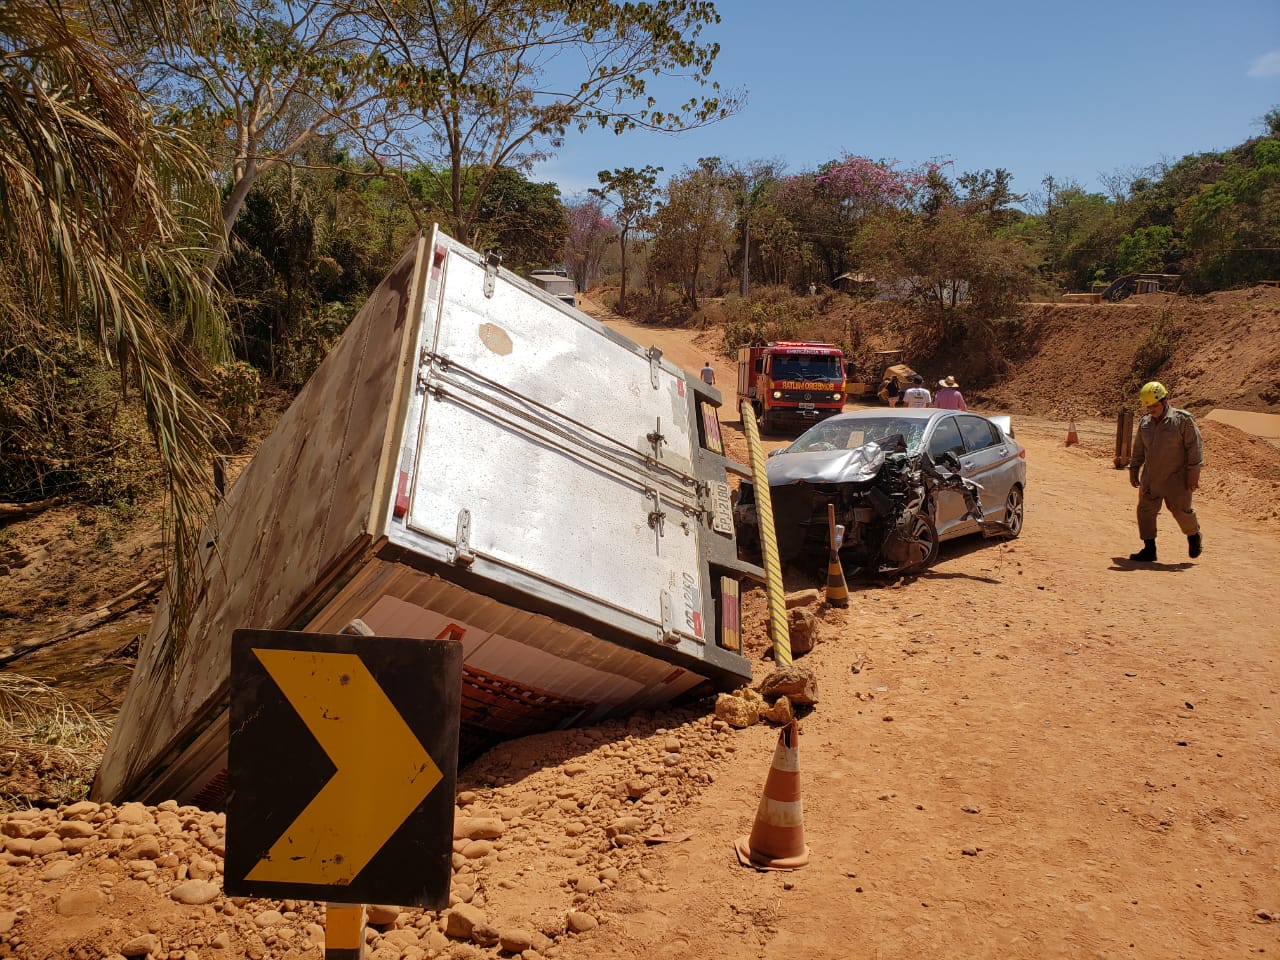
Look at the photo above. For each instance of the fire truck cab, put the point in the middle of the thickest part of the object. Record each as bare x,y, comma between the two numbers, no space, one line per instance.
791,383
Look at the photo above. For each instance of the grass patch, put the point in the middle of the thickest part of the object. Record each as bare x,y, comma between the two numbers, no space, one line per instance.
50,746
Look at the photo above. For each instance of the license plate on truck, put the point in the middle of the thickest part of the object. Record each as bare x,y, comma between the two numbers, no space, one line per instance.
806,406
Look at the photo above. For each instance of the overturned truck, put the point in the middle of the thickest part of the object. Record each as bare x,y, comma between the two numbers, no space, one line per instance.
476,461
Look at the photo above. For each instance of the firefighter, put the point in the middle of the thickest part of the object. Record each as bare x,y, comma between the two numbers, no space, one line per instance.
1167,457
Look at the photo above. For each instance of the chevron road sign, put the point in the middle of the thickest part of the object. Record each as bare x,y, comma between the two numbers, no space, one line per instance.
342,767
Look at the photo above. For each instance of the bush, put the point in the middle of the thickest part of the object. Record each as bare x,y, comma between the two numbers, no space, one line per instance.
236,387
766,316
66,427
310,344
1154,351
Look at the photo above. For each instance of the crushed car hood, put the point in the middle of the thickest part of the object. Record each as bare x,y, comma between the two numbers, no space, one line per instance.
826,466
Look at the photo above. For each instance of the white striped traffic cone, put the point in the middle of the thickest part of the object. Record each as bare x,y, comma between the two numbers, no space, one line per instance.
777,837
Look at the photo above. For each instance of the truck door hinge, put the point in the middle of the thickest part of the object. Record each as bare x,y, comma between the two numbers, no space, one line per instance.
461,552
491,264
654,354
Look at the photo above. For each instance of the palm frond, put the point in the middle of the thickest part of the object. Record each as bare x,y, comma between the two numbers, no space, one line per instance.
114,219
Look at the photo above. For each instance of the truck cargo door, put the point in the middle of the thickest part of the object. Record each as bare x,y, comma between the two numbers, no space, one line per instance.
550,452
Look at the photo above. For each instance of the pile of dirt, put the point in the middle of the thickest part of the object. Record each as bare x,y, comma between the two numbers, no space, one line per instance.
1076,359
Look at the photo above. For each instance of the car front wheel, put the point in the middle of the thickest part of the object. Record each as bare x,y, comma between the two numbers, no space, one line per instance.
916,552
1014,509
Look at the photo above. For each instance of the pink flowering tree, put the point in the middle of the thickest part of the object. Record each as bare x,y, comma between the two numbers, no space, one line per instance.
859,184
590,233
828,206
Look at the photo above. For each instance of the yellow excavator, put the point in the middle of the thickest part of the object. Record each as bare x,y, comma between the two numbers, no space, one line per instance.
863,385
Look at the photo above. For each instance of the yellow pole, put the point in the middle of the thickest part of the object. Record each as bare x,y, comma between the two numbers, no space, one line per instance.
779,629
344,931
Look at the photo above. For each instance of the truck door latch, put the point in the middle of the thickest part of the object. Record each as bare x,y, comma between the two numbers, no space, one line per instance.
656,439
461,553
491,264
657,515
654,354
669,635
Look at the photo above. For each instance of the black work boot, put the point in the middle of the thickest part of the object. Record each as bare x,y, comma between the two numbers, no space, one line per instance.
1147,554
1194,545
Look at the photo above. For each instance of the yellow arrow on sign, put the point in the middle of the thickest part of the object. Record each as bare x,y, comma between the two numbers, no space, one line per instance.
383,772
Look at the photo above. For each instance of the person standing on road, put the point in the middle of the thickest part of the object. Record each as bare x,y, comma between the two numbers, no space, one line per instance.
1165,467
916,395
949,396
708,375
892,391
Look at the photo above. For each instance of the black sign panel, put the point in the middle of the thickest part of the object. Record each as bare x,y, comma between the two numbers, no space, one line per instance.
343,767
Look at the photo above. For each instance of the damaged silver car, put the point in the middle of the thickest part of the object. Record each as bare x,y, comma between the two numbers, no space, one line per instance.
901,482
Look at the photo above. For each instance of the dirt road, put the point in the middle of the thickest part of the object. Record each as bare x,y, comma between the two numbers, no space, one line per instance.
1044,751
1048,752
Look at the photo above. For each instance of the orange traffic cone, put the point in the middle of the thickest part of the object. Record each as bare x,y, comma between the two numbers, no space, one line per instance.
777,838
1072,436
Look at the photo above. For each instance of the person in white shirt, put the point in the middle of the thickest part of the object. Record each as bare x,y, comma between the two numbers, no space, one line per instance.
916,395
708,375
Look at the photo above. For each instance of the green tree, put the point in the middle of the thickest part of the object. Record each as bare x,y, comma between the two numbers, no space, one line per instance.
1231,228
262,81
313,238
952,263
630,194
1075,233
1271,122
1144,250
459,90
828,206
517,76
750,184
693,225
989,193
104,216
526,221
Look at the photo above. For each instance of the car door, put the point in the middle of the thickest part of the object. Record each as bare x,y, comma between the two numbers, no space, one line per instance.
990,460
949,508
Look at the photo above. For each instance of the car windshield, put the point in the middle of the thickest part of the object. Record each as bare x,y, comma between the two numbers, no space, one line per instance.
808,368
842,434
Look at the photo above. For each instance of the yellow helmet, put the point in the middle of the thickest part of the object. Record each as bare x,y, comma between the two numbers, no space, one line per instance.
1152,392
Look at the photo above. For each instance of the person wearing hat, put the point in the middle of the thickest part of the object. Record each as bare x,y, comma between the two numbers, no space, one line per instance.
949,396
1165,467
916,395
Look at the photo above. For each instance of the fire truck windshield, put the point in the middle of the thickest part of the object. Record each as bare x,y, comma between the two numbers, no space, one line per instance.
808,368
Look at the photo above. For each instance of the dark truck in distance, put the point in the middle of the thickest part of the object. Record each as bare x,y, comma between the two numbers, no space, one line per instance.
558,283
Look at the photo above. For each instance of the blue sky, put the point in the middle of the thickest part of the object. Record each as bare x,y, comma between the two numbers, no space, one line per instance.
1077,90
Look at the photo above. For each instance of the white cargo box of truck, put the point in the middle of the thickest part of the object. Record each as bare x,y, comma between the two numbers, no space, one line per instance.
473,460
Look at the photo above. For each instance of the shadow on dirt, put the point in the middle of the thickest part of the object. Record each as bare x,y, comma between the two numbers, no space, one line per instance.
934,574
1124,563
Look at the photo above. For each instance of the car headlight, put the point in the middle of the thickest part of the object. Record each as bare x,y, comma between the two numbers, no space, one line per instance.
837,397
777,394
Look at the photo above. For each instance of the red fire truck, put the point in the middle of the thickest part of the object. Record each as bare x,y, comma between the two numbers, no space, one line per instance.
791,383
